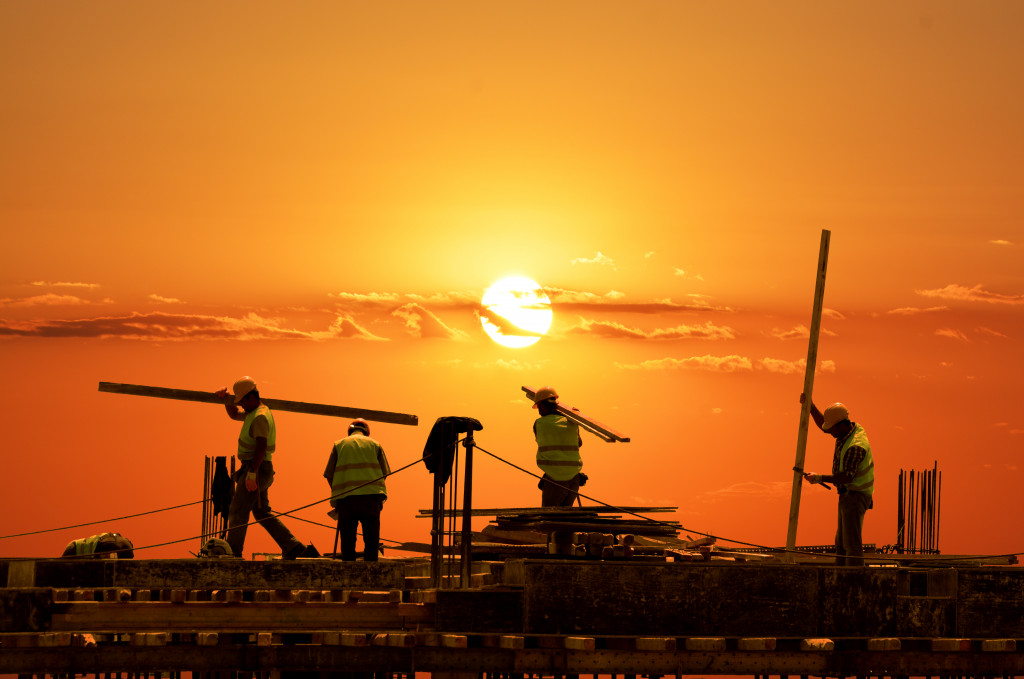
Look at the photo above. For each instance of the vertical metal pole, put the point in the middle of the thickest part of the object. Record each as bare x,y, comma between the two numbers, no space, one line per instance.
467,509
938,495
900,516
805,410
206,502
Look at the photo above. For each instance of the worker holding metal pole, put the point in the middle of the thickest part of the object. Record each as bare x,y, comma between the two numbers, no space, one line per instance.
257,442
558,452
853,473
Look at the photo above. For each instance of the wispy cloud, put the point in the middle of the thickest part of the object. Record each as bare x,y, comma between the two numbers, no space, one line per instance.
182,327
952,334
798,332
783,367
611,329
574,300
989,331
157,299
724,364
974,294
600,259
748,489
372,299
422,323
64,284
832,313
50,299
1000,242
915,311
683,274
648,255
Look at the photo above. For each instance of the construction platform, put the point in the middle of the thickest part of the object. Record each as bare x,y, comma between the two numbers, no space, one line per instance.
550,617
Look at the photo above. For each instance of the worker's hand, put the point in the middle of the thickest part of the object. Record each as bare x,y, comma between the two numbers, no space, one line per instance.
812,478
222,393
250,482
802,397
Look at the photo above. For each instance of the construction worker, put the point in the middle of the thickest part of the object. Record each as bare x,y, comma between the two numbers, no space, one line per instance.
102,545
558,452
257,442
853,473
355,472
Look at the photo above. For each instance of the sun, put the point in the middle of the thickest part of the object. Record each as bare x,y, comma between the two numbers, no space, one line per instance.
516,312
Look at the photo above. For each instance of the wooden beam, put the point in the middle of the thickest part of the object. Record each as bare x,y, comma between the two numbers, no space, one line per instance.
593,426
273,403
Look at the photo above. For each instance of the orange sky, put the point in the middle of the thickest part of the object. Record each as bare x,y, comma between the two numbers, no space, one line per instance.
317,194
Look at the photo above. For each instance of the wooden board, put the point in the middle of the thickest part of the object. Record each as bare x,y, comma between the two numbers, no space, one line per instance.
272,403
602,431
561,512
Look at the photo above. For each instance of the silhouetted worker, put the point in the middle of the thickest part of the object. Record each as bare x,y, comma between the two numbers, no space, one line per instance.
355,472
257,442
853,473
102,545
558,452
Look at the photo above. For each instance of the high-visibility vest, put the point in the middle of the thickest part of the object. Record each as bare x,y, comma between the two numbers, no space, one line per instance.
357,470
87,545
558,447
247,444
864,480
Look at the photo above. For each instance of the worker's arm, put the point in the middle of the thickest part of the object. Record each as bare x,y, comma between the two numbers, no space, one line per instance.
332,462
259,430
816,415
234,411
382,460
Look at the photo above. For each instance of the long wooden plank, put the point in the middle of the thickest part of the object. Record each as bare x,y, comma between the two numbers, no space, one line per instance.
273,403
593,426
565,512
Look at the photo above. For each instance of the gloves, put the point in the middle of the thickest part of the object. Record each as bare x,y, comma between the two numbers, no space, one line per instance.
250,482
813,478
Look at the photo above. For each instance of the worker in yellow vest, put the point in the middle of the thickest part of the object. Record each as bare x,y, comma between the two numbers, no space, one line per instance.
355,471
257,442
558,452
853,473
112,545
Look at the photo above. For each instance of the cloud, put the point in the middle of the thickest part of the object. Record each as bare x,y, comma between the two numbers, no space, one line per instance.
372,299
724,364
611,329
748,489
574,300
180,327
503,325
914,311
975,294
157,299
682,274
799,332
952,334
419,322
599,258
62,284
832,313
778,365
514,365
1000,242
989,331
648,255
50,299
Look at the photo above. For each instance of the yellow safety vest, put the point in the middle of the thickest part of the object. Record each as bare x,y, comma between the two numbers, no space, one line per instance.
558,447
357,470
864,480
247,444
87,545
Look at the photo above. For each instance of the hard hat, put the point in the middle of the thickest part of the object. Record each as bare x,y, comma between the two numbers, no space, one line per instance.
543,394
242,386
216,547
834,414
359,424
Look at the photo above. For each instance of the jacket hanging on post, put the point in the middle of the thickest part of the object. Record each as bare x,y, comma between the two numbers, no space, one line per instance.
439,451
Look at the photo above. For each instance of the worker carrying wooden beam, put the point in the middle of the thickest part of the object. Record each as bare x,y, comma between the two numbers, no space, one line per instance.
558,452
257,443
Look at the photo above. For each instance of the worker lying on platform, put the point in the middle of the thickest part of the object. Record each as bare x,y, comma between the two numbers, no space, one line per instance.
112,545
355,472
558,452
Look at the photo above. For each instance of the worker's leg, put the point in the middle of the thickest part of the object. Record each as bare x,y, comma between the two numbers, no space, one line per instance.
238,513
851,527
348,522
558,493
370,518
261,512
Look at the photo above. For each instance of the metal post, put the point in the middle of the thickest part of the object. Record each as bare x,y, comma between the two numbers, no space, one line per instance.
467,510
805,410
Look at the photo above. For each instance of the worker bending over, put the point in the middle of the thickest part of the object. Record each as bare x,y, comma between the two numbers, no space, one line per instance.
355,472
112,545
257,442
853,473
558,452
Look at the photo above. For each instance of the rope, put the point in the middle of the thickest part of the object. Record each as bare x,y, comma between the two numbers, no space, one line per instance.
93,523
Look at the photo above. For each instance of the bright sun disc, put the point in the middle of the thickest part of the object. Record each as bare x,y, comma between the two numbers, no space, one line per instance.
516,312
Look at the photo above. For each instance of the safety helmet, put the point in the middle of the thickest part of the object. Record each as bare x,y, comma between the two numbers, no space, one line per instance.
359,423
543,394
216,547
834,414
242,386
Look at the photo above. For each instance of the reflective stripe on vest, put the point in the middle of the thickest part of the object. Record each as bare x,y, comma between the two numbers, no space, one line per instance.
247,444
357,470
87,545
558,447
864,480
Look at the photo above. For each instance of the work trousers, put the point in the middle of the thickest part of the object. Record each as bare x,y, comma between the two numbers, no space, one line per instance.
850,528
257,503
352,511
559,493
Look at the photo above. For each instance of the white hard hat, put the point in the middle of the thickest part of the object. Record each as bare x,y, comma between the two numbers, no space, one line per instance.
543,394
834,414
242,386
